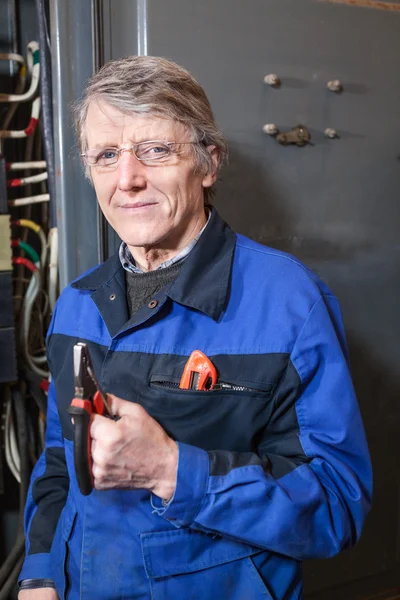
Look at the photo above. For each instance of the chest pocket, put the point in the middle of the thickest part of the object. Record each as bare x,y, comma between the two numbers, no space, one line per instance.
225,419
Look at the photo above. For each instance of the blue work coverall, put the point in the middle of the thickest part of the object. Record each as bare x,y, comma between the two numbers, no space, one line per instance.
273,469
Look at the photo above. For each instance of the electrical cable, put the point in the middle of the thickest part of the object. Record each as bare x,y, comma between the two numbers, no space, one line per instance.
10,460
11,56
30,129
18,548
23,442
26,180
39,231
14,25
17,243
19,89
22,426
46,303
26,313
34,381
22,436
15,457
29,200
34,69
47,98
26,213
43,260
19,166
20,452
28,157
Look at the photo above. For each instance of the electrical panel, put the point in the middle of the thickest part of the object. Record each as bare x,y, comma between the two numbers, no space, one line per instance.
8,357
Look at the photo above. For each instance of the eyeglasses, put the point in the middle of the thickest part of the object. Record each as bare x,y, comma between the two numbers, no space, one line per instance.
148,152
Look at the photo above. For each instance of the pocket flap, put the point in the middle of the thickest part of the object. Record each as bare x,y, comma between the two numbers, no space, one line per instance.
186,550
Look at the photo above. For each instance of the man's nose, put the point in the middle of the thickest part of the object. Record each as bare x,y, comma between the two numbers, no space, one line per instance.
131,172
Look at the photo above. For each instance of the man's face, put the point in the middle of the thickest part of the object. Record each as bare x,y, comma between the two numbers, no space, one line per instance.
148,205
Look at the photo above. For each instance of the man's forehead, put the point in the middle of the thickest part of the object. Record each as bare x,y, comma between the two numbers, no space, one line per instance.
107,124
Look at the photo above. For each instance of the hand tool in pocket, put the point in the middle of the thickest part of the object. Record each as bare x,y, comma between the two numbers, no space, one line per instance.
88,400
199,373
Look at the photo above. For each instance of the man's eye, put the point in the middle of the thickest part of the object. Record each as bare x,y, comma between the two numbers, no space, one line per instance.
153,151
159,149
106,155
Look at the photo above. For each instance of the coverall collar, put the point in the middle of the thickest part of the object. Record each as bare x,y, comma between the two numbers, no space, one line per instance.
203,280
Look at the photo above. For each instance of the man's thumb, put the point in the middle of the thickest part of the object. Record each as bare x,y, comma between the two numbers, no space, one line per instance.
119,407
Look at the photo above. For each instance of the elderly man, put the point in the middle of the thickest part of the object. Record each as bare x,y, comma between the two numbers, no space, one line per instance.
212,493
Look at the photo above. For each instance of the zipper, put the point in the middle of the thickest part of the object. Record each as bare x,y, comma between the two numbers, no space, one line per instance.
220,385
67,579
223,385
167,384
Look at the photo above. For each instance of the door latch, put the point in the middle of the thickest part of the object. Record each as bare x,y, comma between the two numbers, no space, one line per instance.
298,135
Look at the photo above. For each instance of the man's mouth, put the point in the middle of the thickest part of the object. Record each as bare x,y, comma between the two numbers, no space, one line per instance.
137,205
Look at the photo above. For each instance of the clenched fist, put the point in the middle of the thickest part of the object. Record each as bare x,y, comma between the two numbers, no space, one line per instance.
133,452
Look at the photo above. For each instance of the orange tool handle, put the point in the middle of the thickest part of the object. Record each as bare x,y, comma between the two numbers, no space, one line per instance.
82,410
199,373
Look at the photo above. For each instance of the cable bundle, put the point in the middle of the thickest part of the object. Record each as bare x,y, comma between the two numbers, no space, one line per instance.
11,567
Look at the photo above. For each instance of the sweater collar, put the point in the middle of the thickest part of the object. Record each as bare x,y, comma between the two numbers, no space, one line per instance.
203,280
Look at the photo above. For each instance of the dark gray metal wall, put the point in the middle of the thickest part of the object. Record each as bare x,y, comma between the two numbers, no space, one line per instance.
72,64
334,204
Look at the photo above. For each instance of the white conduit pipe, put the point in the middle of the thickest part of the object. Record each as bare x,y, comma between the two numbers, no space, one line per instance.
20,166
29,200
23,133
27,180
34,69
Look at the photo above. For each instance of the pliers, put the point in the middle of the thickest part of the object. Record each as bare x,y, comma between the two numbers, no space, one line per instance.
88,400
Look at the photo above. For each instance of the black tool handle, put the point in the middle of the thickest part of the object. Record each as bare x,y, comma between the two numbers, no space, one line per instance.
82,446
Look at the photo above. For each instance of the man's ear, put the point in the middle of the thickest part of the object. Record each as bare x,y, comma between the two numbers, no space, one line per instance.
210,177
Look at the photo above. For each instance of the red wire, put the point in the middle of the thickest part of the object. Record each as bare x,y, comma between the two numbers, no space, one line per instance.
18,260
13,182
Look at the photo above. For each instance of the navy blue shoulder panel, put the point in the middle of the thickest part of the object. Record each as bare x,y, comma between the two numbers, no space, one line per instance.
49,499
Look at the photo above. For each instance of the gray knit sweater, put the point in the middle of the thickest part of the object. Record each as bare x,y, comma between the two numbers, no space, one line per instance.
142,287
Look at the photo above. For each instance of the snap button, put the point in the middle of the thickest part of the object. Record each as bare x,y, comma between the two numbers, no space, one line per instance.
152,303
113,296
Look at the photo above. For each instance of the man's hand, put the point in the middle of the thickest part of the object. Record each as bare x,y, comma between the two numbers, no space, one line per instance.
38,594
133,452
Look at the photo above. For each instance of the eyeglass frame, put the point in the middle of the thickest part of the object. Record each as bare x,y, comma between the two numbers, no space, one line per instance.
119,151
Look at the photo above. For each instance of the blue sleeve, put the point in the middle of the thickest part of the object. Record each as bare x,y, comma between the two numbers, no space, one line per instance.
319,504
46,496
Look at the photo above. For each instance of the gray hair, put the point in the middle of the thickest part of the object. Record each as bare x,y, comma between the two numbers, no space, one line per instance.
156,86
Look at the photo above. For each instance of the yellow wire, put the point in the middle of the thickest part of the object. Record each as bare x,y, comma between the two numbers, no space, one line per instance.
31,224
